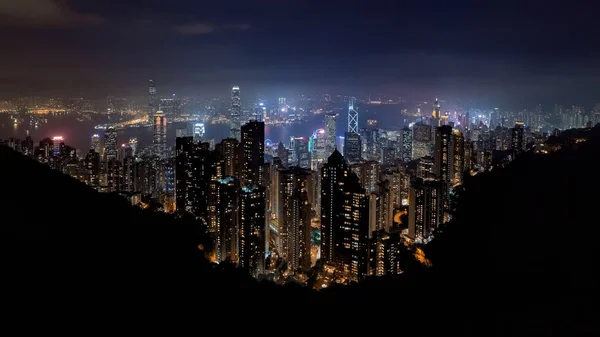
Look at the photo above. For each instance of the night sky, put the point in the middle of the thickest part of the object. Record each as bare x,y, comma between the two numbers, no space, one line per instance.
508,53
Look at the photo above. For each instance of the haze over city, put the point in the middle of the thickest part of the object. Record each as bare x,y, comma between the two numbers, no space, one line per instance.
488,53
256,167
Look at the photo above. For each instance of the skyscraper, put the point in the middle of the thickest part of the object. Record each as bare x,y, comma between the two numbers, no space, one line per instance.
344,219
352,147
330,133
236,112
443,161
152,104
159,139
352,117
294,217
110,143
407,147
252,239
458,154
95,143
421,141
253,151
424,209
517,137
184,174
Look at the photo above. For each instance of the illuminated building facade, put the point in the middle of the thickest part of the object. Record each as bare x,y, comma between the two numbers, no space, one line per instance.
110,144
424,208
235,113
252,223
352,147
344,219
330,133
159,135
253,152
406,154
294,217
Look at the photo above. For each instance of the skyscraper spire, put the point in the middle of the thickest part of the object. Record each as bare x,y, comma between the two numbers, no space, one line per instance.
352,117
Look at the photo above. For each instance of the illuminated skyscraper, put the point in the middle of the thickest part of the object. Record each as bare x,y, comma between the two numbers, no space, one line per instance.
424,213
330,130
159,139
458,154
407,146
352,117
133,143
236,111
252,239
198,132
318,148
110,143
352,147
95,143
294,217
344,219
152,108
517,137
443,161
253,151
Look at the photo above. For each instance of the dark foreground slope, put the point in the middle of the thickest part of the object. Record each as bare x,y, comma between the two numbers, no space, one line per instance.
520,260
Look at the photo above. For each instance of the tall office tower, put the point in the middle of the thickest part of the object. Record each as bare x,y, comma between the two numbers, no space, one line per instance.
517,137
228,150
236,113
92,168
199,131
110,144
223,216
352,116
443,161
159,135
294,217
406,154
458,157
421,141
95,143
300,152
252,223
344,218
282,153
318,148
425,209
352,147
152,104
253,152
133,144
330,132
184,174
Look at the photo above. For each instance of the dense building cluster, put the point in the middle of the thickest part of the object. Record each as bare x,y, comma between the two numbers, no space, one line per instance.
341,208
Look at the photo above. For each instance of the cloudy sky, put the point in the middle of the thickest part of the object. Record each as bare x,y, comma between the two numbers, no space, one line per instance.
497,51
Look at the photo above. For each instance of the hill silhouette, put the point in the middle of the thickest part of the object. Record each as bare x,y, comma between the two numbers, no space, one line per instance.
519,259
